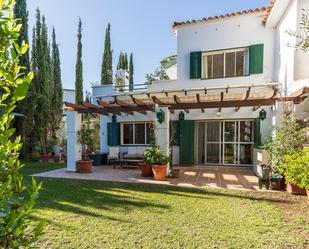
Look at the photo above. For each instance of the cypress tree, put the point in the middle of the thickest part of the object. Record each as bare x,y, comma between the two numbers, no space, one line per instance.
45,80
21,13
125,62
131,73
107,62
120,64
79,66
56,87
40,85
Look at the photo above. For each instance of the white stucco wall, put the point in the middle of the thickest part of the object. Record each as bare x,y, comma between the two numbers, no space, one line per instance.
232,32
290,65
69,95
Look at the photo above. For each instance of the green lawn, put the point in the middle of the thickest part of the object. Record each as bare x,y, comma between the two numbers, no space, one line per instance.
89,214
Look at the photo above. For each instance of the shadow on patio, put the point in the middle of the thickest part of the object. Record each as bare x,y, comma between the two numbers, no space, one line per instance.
212,177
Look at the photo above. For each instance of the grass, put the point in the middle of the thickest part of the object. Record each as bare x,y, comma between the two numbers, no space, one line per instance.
90,214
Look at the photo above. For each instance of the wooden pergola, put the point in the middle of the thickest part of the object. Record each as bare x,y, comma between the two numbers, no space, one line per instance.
237,97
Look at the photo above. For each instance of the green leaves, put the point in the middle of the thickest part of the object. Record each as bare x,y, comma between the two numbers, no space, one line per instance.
16,200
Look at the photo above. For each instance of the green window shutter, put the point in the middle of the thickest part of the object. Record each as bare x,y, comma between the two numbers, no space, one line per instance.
256,59
174,133
257,133
196,65
113,134
186,146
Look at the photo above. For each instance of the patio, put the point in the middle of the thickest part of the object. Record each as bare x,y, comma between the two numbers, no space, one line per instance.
213,177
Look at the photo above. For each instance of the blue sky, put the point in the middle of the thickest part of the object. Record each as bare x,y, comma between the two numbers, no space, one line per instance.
143,27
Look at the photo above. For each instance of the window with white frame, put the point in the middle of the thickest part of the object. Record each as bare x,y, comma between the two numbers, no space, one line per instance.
137,133
226,63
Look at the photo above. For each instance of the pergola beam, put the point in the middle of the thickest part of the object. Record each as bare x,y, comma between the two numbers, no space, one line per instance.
245,98
221,100
198,99
178,101
156,100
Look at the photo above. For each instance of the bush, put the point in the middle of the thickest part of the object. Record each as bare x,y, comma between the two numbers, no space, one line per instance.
297,169
155,156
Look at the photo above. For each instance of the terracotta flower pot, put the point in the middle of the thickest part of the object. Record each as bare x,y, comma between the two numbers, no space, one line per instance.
146,170
293,189
84,166
56,158
159,172
44,158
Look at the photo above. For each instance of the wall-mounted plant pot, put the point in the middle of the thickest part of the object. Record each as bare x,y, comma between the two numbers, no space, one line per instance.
293,189
177,173
146,170
44,158
84,166
159,172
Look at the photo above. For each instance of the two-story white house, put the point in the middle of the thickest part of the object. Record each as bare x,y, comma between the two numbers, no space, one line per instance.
235,74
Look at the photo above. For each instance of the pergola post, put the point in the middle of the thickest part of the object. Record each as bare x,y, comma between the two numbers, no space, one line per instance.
74,150
104,148
162,130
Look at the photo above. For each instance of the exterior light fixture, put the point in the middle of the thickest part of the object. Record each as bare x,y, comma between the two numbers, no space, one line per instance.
218,114
181,115
262,114
160,116
114,118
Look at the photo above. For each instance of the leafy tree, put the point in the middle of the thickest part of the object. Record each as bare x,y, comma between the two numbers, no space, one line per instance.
302,37
159,74
79,66
131,73
16,200
107,62
56,87
289,139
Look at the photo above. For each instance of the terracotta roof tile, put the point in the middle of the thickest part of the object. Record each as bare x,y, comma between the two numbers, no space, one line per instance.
266,11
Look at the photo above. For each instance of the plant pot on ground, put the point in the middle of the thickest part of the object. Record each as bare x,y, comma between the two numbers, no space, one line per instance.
177,173
146,170
44,158
158,161
56,158
84,166
276,182
297,172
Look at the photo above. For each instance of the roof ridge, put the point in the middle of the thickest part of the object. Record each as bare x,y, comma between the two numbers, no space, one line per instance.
236,13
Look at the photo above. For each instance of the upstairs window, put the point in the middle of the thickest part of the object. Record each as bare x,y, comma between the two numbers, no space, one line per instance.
227,63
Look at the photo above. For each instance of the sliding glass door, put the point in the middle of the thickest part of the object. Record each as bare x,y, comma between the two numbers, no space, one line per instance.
225,142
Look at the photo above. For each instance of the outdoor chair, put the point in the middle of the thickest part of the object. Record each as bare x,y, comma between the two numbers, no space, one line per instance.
113,154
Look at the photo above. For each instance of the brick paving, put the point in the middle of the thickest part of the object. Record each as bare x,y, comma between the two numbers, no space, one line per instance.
212,177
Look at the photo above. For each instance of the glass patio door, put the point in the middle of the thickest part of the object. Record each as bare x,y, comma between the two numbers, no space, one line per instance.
225,142
229,142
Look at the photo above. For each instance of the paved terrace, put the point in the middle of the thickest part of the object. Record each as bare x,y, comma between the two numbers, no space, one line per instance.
213,177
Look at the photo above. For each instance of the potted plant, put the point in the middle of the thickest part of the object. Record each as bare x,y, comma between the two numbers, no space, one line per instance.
85,164
297,172
289,140
35,153
146,169
44,154
158,161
